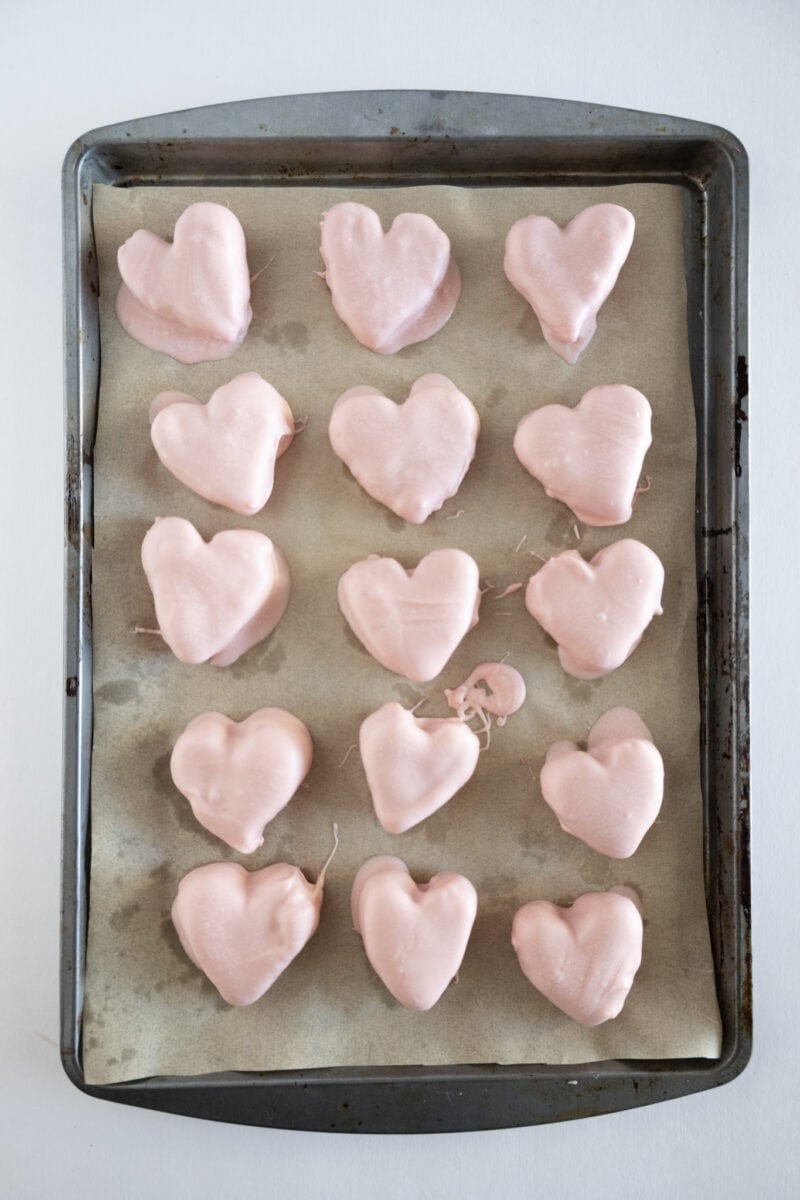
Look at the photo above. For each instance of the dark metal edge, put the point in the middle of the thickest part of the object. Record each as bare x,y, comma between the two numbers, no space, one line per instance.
715,162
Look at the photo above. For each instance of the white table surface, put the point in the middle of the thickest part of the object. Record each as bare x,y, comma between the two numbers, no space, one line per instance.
68,67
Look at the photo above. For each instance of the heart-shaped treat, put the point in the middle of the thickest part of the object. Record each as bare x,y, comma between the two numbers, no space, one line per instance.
242,928
597,611
412,621
414,765
191,298
216,599
238,776
582,958
610,794
390,289
566,275
414,935
411,456
590,456
224,450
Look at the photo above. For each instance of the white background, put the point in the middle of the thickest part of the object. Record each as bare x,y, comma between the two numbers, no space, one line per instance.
69,67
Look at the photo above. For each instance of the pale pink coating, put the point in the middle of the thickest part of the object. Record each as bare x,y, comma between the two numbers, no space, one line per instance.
411,621
242,928
590,457
610,794
411,456
583,958
415,935
224,450
566,275
213,600
505,696
390,289
414,765
597,611
189,298
238,776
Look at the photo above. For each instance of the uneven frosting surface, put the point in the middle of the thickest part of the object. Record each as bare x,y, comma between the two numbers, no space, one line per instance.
243,928
414,765
189,298
590,456
566,275
410,456
610,794
582,958
412,620
597,611
390,289
216,599
237,776
415,935
224,450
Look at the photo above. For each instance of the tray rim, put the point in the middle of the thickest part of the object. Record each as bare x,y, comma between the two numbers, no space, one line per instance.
423,122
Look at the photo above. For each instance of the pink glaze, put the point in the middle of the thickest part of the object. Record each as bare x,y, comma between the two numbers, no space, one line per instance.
224,450
609,795
390,289
414,765
566,275
411,621
590,456
191,298
415,936
597,611
505,696
242,928
582,958
410,456
238,776
214,600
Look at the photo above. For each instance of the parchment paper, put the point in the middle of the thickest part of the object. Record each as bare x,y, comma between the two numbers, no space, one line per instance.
148,1010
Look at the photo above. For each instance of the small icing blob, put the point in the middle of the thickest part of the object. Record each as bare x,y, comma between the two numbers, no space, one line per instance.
415,935
597,611
590,457
411,621
390,289
414,765
191,298
566,275
610,794
224,450
243,928
237,776
582,958
411,456
505,696
214,600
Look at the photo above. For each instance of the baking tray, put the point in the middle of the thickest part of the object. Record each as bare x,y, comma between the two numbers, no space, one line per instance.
473,139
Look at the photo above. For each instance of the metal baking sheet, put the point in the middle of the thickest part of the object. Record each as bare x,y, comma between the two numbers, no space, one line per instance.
422,137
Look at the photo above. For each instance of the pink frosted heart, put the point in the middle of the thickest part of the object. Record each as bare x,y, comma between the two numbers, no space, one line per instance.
412,621
566,275
224,450
390,289
216,599
191,298
237,776
411,456
609,795
414,765
415,936
242,928
582,958
597,611
590,457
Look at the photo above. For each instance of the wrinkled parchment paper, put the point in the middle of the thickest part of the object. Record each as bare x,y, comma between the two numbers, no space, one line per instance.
148,1010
